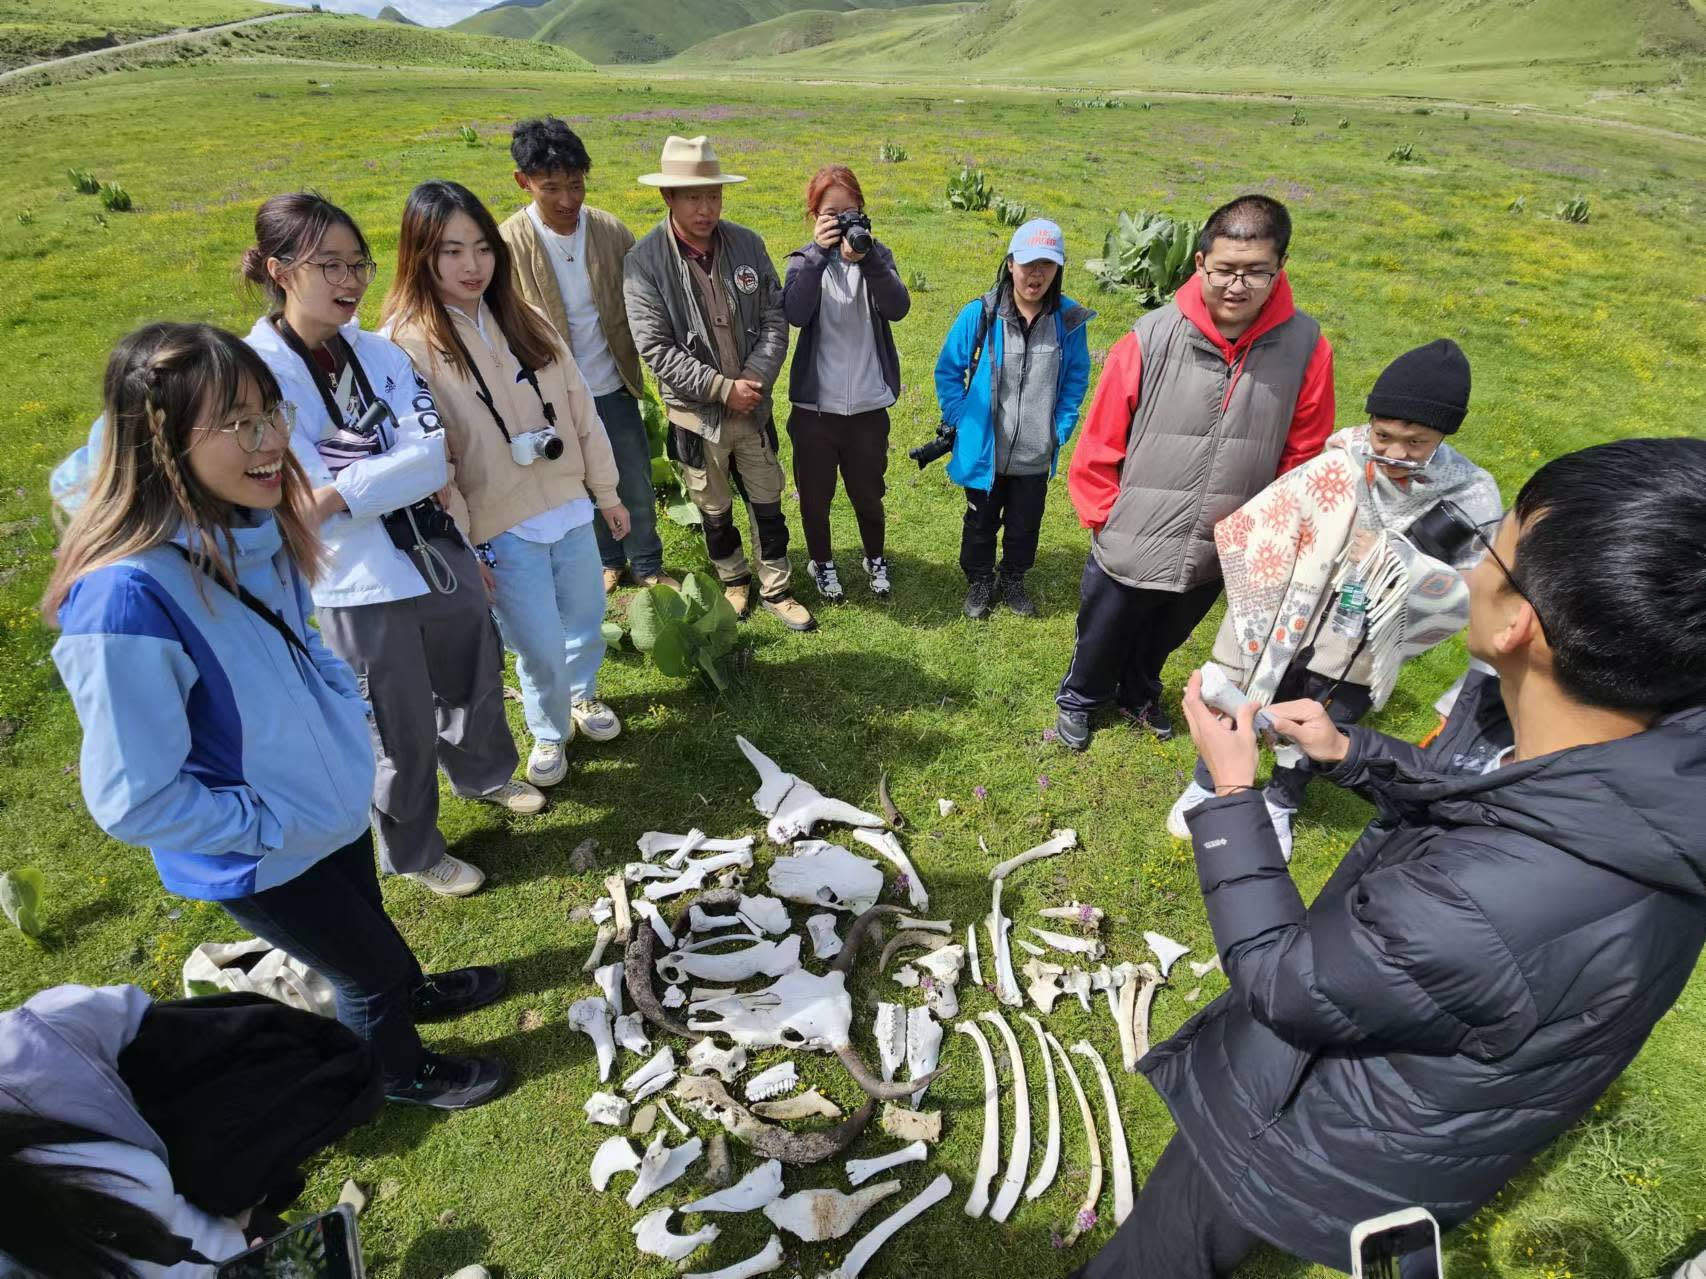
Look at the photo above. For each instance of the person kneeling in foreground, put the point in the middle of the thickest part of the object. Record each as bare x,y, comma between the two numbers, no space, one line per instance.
1499,943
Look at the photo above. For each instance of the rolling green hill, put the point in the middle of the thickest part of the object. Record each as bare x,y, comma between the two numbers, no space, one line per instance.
36,30
609,31
390,13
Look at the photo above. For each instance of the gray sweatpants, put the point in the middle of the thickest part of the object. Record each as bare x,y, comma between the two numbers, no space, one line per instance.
432,667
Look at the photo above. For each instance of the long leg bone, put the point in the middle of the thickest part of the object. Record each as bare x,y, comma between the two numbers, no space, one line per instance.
617,887
1116,1132
1051,1148
591,1016
1149,981
817,1215
1093,1191
650,913
886,844
1019,1156
663,1063
860,1171
1062,840
990,1152
862,1252
760,1263
655,843
606,935
709,1098
1076,911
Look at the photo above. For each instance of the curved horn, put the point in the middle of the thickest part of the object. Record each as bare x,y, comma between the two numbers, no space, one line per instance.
873,1085
707,1096
843,963
907,940
638,959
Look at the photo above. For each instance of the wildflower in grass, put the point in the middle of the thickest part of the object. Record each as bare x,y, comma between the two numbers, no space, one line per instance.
1086,1219
980,791
1056,1240
1042,782
1049,734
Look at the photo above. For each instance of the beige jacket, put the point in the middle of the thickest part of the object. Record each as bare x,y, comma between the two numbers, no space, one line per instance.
607,243
489,492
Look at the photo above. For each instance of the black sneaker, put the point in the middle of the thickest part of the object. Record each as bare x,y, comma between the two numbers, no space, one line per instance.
1016,597
1152,716
980,597
461,990
1073,728
454,1083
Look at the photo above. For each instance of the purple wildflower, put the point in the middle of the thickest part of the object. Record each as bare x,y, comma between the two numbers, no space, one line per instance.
1042,782
1056,1240
980,792
1086,914
1086,1219
1049,734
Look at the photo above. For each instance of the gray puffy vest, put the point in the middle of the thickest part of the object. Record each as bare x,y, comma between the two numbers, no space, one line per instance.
1194,455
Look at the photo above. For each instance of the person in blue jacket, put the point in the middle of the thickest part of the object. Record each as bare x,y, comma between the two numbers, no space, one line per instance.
218,729
1010,381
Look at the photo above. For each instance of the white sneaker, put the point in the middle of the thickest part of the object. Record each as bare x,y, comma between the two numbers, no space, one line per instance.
452,877
1281,817
517,797
1193,796
826,579
595,719
546,763
878,569
472,1272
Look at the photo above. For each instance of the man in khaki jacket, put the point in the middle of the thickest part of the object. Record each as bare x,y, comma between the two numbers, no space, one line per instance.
705,309
568,263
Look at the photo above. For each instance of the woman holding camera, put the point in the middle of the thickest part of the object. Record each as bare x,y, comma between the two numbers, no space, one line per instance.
842,292
401,599
531,467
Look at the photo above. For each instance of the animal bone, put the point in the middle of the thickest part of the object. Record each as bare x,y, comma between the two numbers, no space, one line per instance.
601,911
890,1034
943,926
1193,994
591,1016
861,1253
912,1125
1093,1191
1128,985
810,1104
1078,983
905,940
675,1121
674,997
709,1098
1088,946
661,1166
990,1151
1030,947
607,1108
906,975
1149,982
891,814
700,921
886,844
943,965
1063,840
635,872
971,952
817,1215
705,1058
719,1168
617,887
770,958
1219,691
1203,970
655,843
793,805
691,843
1074,910
923,1046
1006,984
780,1078
606,935
944,807
609,980
652,1236
825,943
705,994
760,1263
827,875
765,914
631,1033
694,874
1116,1132
1051,1146
657,1083
753,1191
1044,984
860,1171
1019,1156
1167,951
660,1064
647,911
616,1155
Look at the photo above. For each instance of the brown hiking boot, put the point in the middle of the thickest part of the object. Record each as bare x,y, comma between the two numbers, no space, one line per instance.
791,613
612,579
739,598
660,578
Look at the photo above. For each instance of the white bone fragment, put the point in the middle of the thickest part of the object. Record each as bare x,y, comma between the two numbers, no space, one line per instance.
783,1077
989,1153
760,1263
860,1171
1109,981
1149,981
606,935
1203,970
700,920
638,872
616,1155
829,876
1077,983
1121,1158
908,923
861,1253
617,887
751,1192
1193,994
1087,1117
943,965
826,944
1087,946
793,805
817,1215
798,1010
765,914
691,843
1051,1145
707,994
674,997
1006,983
655,843
912,1125
1019,1156
1129,983
657,1083
1030,947
662,1063
694,874
1076,911
601,911
923,1046
888,844
945,806
705,1058
609,979
608,1109
770,958
890,1033
591,1016
661,1166
906,975
1061,841
1044,984
1167,951
971,951
652,1236
630,1032
649,912
675,1120
811,1104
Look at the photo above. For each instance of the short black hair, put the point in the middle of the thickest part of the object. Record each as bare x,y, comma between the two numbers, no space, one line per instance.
1249,217
540,147
1610,556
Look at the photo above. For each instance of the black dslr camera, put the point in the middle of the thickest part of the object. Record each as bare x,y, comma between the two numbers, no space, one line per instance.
941,446
855,230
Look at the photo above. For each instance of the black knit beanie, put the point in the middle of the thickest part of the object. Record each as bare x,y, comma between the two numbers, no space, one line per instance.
1428,386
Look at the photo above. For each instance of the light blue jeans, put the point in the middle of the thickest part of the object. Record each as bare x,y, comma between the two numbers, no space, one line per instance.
550,606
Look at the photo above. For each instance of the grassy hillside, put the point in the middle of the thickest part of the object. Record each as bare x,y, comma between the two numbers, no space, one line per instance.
35,30
608,31
390,13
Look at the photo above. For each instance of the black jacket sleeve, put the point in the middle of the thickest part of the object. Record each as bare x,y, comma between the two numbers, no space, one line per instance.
888,290
803,284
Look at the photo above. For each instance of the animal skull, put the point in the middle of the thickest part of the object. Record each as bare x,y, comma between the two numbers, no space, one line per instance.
821,874
793,805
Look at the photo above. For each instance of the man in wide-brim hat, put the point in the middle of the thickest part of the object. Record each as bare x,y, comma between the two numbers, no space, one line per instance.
705,308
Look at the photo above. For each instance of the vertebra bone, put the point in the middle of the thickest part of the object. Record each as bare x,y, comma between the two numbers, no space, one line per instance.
705,1058
608,1109
825,943
1043,983
630,1032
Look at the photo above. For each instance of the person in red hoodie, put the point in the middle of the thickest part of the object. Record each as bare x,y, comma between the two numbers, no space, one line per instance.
1200,406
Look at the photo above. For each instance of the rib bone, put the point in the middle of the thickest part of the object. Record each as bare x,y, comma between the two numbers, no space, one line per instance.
860,1171
1019,1155
1123,1015
989,1153
1149,981
1051,1147
1093,1191
971,952
862,1252
661,1064
1006,984
1062,840
1116,1132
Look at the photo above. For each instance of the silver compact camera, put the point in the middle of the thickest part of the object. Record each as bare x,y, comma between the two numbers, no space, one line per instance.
529,446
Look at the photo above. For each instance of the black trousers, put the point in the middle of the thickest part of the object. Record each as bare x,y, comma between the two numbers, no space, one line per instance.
1013,504
856,447
1125,636
1346,704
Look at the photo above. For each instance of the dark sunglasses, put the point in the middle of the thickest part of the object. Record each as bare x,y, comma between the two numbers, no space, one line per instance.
1445,529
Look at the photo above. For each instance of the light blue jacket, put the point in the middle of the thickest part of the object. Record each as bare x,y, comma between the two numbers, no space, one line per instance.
207,738
969,406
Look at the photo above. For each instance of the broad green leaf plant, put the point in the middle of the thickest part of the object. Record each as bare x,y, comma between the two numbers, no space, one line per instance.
686,632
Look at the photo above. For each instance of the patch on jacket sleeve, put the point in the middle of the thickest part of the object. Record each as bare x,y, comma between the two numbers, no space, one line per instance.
746,280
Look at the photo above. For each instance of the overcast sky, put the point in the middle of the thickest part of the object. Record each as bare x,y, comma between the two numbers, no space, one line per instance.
432,13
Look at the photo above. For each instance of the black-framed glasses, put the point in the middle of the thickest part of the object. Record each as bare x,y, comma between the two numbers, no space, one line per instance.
337,272
251,431
1484,533
1255,281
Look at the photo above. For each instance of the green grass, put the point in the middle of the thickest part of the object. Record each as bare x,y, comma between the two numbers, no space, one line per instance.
33,30
1577,334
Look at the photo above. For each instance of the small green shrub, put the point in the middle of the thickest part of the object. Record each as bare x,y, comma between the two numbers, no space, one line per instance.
1297,117
114,198
917,281
1098,103
468,135
1344,122
1147,254
1517,205
20,898
891,153
84,182
1421,111
1011,212
969,190
1403,153
1575,209
26,217
686,632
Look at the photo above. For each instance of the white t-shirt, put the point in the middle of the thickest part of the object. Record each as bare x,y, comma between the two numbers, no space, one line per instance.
585,337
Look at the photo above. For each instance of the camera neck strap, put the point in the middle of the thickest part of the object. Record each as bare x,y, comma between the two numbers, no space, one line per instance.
251,602
485,392
343,352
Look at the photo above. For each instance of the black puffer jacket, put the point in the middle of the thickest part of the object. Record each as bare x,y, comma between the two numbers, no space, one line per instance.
1489,956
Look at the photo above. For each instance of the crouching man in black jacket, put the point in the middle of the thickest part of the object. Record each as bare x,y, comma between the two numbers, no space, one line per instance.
1496,947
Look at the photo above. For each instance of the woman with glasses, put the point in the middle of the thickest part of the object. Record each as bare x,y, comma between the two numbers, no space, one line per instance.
218,731
402,600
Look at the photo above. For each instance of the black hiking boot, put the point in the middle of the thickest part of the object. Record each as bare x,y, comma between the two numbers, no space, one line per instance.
461,990
980,597
1073,728
1016,597
454,1083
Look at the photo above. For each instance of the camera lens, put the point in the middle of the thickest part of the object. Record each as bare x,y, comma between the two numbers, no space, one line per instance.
552,447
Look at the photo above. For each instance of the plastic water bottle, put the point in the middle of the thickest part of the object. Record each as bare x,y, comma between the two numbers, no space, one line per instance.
1350,610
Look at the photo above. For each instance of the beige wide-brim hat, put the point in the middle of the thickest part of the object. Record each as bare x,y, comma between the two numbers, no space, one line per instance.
689,162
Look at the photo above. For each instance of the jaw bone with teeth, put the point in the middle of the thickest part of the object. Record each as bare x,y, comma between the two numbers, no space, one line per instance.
793,805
